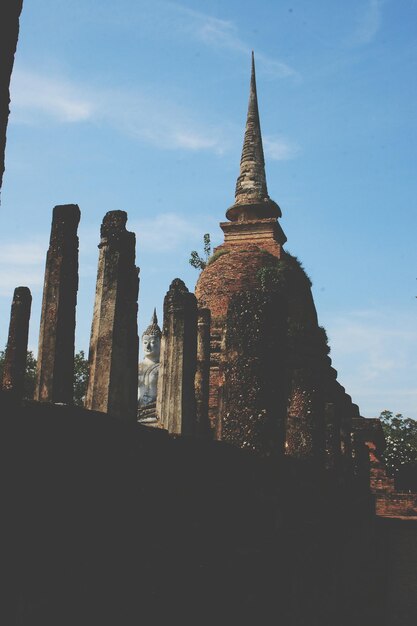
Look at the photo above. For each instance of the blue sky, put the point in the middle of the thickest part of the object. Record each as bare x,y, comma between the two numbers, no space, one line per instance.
140,105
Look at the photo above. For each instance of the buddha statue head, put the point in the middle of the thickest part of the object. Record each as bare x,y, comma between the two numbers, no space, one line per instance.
151,341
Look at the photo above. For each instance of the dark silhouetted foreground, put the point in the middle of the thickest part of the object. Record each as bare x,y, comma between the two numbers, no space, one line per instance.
105,522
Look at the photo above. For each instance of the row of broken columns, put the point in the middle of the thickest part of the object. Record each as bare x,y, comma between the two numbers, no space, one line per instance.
113,355
271,399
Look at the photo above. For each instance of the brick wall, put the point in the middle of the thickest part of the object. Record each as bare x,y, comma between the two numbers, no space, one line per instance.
231,273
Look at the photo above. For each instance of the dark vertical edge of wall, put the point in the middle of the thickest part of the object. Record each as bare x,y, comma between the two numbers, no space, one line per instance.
9,31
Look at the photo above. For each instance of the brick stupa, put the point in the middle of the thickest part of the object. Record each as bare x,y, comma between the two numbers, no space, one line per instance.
253,240
252,233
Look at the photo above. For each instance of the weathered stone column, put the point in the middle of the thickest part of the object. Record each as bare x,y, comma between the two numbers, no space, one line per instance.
254,372
17,342
175,404
55,369
203,373
113,357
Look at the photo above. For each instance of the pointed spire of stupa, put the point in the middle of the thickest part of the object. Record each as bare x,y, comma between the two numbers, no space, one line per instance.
251,197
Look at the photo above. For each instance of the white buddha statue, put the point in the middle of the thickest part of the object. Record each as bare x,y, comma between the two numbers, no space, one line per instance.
149,370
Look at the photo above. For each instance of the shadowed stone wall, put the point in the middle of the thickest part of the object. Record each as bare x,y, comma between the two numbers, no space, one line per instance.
55,369
114,343
107,522
346,428
332,419
305,437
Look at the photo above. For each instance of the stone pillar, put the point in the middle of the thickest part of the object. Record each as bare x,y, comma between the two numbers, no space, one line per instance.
55,369
255,391
114,343
17,343
203,373
175,404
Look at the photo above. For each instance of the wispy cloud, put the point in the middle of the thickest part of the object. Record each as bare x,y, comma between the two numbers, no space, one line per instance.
375,355
166,232
192,140
159,122
22,254
280,149
154,120
151,119
382,346
22,264
219,33
52,96
368,23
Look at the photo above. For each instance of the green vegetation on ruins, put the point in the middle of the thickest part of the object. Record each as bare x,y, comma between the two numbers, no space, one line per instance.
200,262
280,273
216,255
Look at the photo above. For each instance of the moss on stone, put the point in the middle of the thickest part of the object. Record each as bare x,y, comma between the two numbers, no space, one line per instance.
217,255
282,274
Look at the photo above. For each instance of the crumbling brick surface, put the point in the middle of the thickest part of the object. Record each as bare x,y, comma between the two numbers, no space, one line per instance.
388,501
305,421
255,388
396,504
247,270
231,273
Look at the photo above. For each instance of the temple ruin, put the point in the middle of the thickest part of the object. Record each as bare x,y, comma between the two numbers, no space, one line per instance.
220,471
243,360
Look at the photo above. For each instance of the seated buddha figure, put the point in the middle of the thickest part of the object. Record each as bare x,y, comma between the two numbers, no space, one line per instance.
149,370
